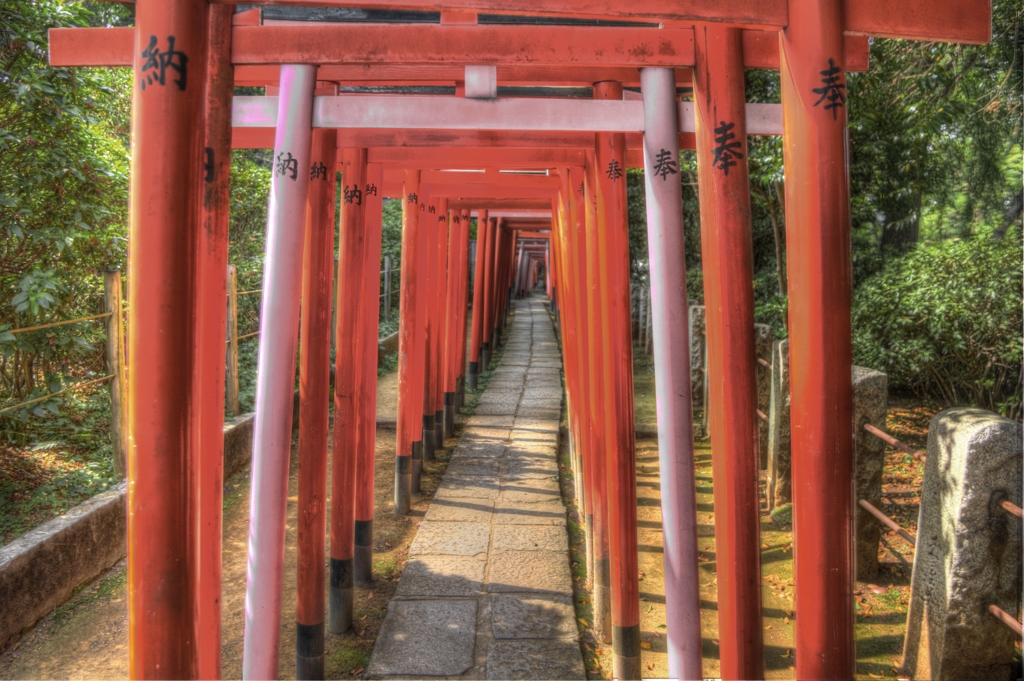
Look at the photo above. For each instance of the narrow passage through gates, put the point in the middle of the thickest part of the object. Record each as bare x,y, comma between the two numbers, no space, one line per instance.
487,590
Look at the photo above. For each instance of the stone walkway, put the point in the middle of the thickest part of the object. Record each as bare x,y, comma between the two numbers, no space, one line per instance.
487,590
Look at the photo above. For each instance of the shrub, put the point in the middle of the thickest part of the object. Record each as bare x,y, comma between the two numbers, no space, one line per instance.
945,321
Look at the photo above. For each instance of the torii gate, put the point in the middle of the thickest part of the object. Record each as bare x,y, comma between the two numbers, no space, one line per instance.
181,142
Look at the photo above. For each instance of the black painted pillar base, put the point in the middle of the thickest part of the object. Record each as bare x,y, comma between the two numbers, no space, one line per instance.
339,606
417,466
485,356
449,413
362,572
626,652
474,370
403,483
309,651
438,430
428,438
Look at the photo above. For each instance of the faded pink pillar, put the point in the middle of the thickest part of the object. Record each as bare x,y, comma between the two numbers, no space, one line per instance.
275,374
669,310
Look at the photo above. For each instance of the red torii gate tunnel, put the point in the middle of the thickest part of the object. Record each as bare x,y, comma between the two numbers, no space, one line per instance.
441,73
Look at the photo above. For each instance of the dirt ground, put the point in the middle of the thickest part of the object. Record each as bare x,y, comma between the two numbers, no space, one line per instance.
88,637
881,608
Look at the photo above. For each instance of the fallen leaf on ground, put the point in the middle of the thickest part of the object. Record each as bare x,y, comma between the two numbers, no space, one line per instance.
768,627
785,654
369,596
356,671
646,645
582,621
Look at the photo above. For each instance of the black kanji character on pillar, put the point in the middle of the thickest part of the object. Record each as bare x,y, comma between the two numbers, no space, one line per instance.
581,190
287,165
318,170
456,219
432,209
413,198
832,89
726,149
158,62
371,190
614,171
665,165
208,166
353,194
440,218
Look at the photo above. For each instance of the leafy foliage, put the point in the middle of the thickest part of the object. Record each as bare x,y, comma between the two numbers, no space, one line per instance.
945,320
63,198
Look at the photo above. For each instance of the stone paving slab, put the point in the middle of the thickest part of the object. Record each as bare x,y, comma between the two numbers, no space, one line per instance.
534,659
487,590
530,572
411,642
545,617
451,539
441,576
474,465
465,510
529,538
499,421
467,486
526,469
532,491
541,513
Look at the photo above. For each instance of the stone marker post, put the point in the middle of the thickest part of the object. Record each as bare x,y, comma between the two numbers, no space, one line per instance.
763,350
697,354
870,405
779,490
968,549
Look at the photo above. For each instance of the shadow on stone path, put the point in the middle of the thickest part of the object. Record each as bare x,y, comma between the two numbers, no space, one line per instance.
487,590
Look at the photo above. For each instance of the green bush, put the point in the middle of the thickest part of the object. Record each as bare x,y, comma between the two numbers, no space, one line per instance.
945,321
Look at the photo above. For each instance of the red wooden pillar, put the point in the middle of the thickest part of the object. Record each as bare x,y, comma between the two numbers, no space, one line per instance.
163,503
441,312
598,416
462,309
488,290
314,407
477,341
560,232
813,78
499,270
347,369
451,344
212,248
729,299
613,241
429,254
366,419
578,255
410,346
424,264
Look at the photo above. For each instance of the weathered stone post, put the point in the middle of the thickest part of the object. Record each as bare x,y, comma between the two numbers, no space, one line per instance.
697,369
763,349
697,353
870,405
779,490
968,549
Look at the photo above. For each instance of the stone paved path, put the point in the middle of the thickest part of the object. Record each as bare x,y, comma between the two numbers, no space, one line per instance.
487,590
